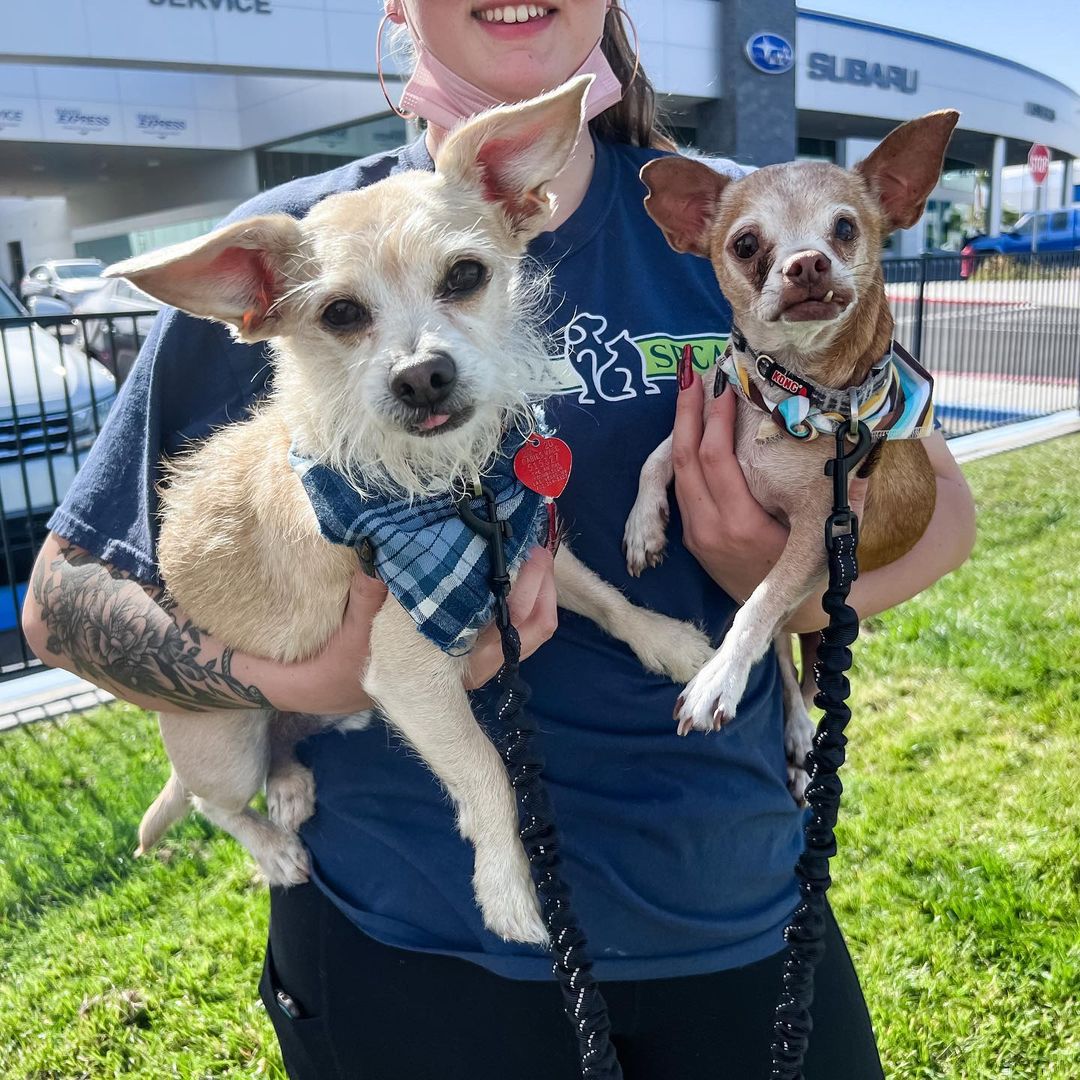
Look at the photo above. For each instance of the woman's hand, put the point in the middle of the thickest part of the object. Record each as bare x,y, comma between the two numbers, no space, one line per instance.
724,527
329,684
533,611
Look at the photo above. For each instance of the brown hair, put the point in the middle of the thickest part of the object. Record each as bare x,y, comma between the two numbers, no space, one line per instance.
635,119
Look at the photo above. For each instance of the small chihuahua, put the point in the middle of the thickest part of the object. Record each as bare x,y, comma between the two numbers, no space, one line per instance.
797,251
405,345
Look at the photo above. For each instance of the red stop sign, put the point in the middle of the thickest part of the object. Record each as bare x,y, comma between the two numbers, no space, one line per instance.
1039,162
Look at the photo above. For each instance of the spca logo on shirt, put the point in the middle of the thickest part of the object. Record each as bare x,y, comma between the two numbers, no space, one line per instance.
598,363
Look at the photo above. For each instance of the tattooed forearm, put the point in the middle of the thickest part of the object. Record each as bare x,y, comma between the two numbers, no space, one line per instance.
114,630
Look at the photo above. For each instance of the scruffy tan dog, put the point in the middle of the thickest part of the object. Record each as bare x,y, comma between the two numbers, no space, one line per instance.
404,345
797,251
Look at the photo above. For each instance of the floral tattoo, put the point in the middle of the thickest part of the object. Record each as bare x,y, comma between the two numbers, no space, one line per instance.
117,630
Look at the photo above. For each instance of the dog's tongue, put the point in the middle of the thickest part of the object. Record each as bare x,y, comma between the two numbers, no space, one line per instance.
434,421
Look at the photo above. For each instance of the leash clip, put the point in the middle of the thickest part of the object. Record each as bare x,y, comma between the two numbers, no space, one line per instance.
843,521
493,532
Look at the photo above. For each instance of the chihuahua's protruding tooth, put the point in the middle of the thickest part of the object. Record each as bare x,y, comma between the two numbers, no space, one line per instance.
829,296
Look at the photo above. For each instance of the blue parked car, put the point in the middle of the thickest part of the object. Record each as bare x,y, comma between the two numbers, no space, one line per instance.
1058,230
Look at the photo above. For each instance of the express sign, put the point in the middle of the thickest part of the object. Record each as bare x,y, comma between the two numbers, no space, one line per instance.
1039,163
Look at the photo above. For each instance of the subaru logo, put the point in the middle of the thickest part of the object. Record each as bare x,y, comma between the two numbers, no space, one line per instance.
770,53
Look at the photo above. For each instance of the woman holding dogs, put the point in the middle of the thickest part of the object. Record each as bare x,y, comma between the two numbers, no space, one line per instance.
680,851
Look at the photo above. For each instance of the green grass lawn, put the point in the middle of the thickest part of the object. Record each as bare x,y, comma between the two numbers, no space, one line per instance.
958,879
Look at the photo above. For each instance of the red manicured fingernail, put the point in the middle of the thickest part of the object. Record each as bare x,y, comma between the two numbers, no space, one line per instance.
686,367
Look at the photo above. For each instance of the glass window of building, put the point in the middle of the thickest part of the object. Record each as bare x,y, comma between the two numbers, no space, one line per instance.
313,154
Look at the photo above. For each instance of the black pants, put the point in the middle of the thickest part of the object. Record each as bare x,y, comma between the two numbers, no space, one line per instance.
364,1011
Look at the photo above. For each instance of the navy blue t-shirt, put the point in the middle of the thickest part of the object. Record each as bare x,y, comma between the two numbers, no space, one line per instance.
680,852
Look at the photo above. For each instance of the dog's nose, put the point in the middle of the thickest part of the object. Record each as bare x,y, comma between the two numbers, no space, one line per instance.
427,383
808,268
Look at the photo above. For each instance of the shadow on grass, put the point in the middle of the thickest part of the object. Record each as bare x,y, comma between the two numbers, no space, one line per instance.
72,793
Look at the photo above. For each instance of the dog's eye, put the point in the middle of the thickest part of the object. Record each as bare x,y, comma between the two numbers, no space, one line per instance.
345,315
845,230
746,246
464,277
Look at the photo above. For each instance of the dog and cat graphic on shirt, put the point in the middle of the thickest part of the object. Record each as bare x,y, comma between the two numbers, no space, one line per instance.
599,363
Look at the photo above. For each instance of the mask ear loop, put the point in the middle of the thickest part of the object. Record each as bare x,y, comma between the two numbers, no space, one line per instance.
407,116
620,10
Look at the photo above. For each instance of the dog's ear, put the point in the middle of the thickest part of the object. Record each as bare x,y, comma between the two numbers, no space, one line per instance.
682,200
512,153
234,275
904,169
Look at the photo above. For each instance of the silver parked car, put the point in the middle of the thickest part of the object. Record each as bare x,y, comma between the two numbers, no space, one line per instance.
66,279
115,342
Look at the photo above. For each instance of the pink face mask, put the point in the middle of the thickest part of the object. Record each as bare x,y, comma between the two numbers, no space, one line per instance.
445,99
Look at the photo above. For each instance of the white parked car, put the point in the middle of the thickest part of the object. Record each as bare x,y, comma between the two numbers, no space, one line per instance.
53,400
66,279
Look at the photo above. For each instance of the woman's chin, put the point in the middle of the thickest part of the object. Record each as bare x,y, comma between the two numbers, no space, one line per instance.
529,81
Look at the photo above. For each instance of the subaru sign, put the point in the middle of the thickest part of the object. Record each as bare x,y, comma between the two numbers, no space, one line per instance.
828,68
770,53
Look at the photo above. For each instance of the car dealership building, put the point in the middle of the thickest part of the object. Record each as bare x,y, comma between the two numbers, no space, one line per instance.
139,122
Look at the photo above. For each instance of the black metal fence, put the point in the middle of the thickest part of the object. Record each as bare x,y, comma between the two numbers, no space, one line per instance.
1000,334
58,378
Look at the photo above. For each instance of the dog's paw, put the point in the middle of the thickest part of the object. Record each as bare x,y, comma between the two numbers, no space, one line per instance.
506,895
670,647
290,796
645,534
284,860
798,740
710,699
354,721
798,779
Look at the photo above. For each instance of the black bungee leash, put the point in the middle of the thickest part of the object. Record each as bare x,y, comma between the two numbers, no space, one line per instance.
805,936
514,733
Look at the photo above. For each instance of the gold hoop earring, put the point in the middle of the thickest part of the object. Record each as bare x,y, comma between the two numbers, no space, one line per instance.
407,116
617,7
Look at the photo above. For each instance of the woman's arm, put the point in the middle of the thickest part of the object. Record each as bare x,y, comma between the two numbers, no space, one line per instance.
738,542
944,546
88,617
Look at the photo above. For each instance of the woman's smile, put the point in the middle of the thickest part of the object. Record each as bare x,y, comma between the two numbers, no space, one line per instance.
515,20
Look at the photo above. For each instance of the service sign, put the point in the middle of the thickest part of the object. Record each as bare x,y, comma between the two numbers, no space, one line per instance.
238,7
17,117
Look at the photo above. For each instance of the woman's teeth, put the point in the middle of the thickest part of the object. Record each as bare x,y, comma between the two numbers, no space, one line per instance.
513,13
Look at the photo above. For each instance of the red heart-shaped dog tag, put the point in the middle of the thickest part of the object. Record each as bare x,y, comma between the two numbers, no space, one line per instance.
543,465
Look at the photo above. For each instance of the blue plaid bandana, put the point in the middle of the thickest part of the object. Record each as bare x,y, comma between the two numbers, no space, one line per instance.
433,563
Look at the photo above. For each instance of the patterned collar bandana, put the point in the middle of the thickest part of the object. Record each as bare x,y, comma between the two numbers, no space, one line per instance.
895,400
433,563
